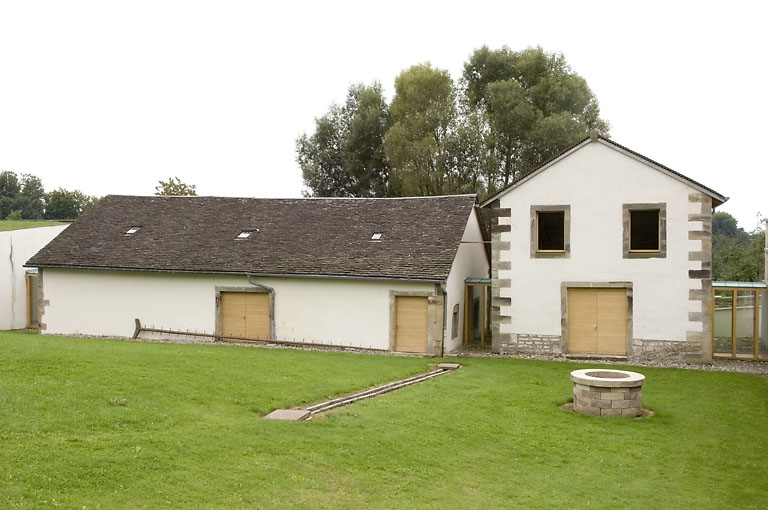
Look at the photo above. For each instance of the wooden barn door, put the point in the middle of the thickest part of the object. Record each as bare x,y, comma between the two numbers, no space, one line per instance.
245,315
411,324
597,321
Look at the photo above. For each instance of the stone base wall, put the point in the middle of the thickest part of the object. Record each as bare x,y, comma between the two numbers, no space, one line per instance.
667,350
548,345
642,349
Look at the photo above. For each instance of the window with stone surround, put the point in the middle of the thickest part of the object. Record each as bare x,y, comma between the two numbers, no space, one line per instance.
644,230
550,231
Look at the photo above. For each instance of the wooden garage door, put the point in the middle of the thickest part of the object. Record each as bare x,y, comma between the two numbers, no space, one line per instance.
411,324
245,314
597,321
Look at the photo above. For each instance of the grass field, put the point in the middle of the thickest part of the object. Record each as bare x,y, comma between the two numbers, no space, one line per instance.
20,224
115,424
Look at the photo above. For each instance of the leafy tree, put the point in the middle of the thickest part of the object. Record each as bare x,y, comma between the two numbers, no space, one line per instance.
428,144
725,224
31,200
345,155
510,112
9,184
535,106
174,187
736,255
23,197
62,204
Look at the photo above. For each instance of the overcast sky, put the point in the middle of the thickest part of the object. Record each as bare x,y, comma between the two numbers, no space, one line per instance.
113,96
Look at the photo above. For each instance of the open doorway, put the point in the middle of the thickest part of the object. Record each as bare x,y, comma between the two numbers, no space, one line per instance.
477,298
33,312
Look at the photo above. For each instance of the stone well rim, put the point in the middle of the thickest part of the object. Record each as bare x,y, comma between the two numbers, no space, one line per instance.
622,378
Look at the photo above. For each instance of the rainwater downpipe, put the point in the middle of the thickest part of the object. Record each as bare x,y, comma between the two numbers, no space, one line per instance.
444,290
271,303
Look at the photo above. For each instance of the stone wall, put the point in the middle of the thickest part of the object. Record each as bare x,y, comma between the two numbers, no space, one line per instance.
531,344
700,274
666,350
498,248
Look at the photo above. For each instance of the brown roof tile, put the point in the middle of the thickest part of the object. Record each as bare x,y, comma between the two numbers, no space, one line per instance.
326,237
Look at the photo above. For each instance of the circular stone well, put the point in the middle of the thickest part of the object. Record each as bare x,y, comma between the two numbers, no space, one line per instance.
607,392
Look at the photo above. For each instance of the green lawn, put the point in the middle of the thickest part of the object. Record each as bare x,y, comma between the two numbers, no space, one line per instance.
115,424
20,224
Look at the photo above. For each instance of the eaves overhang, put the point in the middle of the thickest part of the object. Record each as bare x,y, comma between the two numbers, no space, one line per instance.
242,273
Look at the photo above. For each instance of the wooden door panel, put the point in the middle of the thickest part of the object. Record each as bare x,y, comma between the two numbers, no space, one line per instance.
597,321
245,315
411,324
232,314
257,315
612,322
582,321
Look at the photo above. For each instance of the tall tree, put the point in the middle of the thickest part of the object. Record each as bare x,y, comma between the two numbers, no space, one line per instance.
512,111
345,155
62,204
9,184
174,187
535,106
424,116
9,193
31,198
737,255
23,197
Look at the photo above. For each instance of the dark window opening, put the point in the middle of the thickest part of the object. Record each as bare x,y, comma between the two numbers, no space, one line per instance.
551,231
644,230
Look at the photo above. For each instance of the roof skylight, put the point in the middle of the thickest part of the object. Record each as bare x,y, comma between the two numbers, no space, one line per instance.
245,234
131,231
376,236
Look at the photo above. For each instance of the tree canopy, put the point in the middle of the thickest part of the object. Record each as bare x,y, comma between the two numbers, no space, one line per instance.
737,255
345,155
174,187
63,204
509,112
25,198
423,114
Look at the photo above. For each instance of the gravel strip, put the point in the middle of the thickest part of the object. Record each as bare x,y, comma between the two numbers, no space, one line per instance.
722,365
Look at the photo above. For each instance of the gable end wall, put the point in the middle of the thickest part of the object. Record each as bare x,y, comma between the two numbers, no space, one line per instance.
672,298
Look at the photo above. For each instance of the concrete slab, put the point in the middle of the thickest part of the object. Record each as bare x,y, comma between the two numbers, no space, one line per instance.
449,366
288,415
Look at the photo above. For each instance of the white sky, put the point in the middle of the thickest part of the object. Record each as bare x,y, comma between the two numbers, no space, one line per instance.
112,96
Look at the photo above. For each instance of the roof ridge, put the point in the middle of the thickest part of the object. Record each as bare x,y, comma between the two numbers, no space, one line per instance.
457,195
606,141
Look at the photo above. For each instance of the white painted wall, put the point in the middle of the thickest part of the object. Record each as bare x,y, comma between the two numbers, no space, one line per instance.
16,247
595,181
471,262
105,303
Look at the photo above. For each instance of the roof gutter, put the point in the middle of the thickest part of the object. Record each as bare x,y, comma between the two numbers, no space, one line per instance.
241,273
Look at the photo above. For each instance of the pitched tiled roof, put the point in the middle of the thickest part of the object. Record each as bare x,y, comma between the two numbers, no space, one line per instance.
717,198
328,237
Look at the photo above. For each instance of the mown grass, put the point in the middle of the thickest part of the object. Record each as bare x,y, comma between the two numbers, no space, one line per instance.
115,424
20,224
